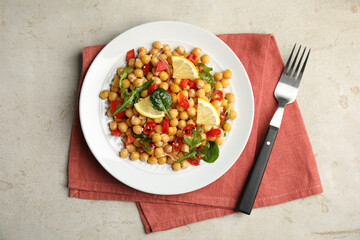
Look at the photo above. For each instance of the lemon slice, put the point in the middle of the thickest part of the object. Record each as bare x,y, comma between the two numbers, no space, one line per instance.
183,68
207,114
145,108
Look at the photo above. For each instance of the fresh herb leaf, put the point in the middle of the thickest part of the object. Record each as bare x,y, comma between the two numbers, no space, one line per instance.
161,100
195,140
145,144
207,76
133,97
122,77
211,152
227,115
141,135
190,155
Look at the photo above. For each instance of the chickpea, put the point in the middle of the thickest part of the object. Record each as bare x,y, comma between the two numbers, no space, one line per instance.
207,88
159,152
207,128
149,76
180,50
175,88
134,156
144,156
139,82
177,81
156,137
164,75
163,56
219,140
157,80
140,55
131,148
113,125
203,135
113,96
162,160
224,103
190,122
165,138
179,133
174,53
176,166
174,121
186,54
157,45
144,94
191,102
172,137
142,49
182,124
197,51
227,74
137,129
152,160
123,127
218,85
166,47
185,164
168,148
200,93
174,97
225,82
137,143
184,115
158,128
154,60
218,76
169,160
231,97
129,113
132,77
154,51
159,144
120,70
185,93
192,93
104,94
185,147
180,154
173,113
138,63
200,83
232,114
216,104
158,120
191,111
145,59
124,153
167,53
128,132
205,59
135,120
126,83
227,127
131,62
138,72
172,131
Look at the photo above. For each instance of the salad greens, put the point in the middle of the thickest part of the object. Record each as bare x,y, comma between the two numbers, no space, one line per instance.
207,76
161,100
145,144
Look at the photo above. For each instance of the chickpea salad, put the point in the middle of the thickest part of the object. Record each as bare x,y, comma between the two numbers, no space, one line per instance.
168,107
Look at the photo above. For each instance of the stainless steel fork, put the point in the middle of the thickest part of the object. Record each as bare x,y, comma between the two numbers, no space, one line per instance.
285,93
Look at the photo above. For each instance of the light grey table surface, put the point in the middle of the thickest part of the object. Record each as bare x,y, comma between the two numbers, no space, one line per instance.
40,53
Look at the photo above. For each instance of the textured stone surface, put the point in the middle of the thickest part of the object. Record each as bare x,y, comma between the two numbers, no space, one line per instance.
40,60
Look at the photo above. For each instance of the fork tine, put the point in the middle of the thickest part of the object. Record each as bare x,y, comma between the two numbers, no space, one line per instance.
298,66
303,68
293,64
288,61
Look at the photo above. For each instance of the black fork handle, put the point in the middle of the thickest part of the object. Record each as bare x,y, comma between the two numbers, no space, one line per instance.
247,199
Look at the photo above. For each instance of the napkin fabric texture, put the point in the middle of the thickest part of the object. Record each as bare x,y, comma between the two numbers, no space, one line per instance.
291,172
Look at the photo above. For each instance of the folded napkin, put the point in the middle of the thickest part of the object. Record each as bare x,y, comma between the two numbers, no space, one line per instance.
291,172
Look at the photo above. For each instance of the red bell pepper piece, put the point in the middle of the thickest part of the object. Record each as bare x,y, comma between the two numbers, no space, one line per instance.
149,127
186,82
169,91
165,127
130,54
160,66
191,57
146,69
176,145
188,130
116,132
217,95
184,103
195,161
114,106
213,133
152,88
130,139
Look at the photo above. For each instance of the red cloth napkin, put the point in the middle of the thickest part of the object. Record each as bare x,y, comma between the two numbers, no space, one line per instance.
291,172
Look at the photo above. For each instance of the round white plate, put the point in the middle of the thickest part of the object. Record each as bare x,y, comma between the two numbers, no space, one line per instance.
161,179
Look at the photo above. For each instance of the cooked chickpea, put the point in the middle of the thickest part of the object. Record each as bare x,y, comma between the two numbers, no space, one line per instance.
113,125
179,108
231,97
218,76
154,51
163,56
172,131
191,102
203,135
137,129
164,75
162,160
166,47
205,59
129,113
185,93
131,148
175,88
138,63
232,114
169,160
144,156
200,83
145,59
227,74
174,97
185,164
185,147
192,112
139,82
207,88
219,140
173,113
179,133
218,85
134,156
174,122
159,152
190,122
176,166
164,85
159,144
104,94
157,44
138,72
120,70
197,51
142,49
177,81
192,93
168,148
225,82
135,120
200,93
157,80
174,53
156,137
165,138
126,83
131,62
113,96
207,128
227,127
184,115
132,77
123,127
182,124
180,50
137,143
224,103
140,55
124,153
152,160
144,94
154,61
216,104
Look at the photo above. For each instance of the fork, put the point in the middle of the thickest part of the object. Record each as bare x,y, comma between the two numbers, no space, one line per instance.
285,93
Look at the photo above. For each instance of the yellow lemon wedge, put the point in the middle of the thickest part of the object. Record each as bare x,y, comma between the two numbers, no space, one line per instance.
207,114
183,68
145,108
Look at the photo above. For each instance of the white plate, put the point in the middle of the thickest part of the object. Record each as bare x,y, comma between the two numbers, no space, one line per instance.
161,179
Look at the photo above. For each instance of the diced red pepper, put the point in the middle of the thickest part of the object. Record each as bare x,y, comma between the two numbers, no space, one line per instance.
177,144
184,103
188,130
152,146
165,127
146,69
169,91
152,88
149,127
130,139
114,106
116,132
195,161
160,66
186,82
130,54
191,57
213,133
217,95
223,116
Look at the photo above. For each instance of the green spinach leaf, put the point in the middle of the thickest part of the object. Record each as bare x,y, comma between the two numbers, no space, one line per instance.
211,153
161,100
